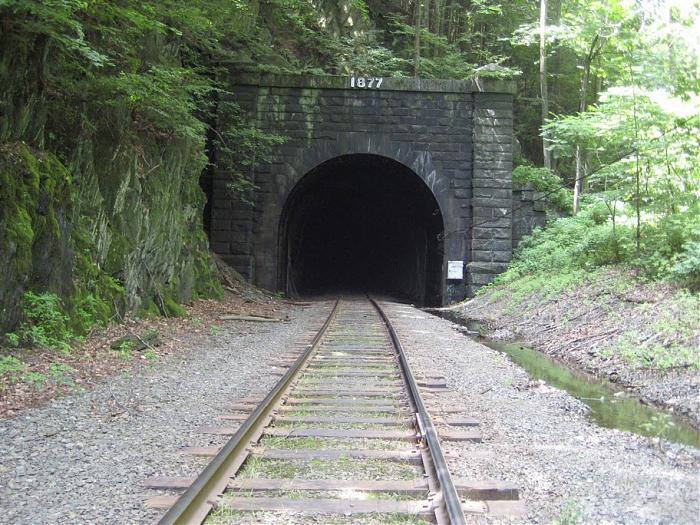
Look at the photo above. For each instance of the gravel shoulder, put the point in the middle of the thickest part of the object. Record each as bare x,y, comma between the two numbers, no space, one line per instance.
567,468
83,457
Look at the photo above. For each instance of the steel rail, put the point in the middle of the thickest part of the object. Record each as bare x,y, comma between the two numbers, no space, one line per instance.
197,501
450,499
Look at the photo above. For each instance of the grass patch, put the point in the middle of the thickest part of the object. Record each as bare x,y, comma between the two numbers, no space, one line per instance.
321,444
341,468
381,378
338,425
225,515
349,412
326,494
14,370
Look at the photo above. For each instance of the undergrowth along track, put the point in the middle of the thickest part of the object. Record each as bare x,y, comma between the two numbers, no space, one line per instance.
344,433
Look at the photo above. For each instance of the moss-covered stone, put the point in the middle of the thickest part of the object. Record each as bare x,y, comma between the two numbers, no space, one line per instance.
173,309
35,247
94,206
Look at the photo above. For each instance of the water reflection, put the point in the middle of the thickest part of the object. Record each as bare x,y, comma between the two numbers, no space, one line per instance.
607,409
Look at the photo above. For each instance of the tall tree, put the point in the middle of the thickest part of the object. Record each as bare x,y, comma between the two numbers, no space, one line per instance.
544,94
416,42
595,48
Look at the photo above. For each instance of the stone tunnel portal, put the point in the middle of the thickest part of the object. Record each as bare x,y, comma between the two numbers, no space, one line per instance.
362,223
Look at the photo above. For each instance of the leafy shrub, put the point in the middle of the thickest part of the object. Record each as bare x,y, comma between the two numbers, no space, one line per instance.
570,243
46,322
670,248
668,244
542,179
687,266
11,366
12,340
546,181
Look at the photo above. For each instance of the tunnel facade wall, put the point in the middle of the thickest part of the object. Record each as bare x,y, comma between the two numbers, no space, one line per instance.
455,135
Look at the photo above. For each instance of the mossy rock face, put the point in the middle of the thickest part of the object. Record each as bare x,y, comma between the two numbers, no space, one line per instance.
102,252
143,200
36,251
112,225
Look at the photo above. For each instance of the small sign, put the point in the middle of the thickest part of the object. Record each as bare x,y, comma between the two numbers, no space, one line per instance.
455,270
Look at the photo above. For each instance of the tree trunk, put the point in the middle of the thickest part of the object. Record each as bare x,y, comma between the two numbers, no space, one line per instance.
583,104
554,65
543,80
416,43
426,24
439,13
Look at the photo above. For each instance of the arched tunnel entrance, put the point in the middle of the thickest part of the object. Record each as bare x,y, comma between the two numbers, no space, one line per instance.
362,223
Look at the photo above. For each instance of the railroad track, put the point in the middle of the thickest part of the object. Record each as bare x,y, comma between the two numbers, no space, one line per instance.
345,433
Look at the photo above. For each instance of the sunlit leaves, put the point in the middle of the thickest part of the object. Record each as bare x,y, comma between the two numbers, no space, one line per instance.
56,19
667,131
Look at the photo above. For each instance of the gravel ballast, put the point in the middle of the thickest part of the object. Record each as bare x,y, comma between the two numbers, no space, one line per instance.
538,438
83,458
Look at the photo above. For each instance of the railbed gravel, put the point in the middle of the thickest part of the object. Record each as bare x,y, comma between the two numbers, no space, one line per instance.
540,439
83,457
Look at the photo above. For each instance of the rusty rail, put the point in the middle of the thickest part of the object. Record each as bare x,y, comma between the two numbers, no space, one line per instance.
449,500
362,345
197,501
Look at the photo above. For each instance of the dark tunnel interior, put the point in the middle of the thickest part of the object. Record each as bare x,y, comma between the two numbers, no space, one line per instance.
362,223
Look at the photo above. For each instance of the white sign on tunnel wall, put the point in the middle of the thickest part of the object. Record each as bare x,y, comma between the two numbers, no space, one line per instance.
455,270
366,82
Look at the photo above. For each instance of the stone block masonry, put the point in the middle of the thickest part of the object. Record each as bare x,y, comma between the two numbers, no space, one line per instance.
456,136
529,211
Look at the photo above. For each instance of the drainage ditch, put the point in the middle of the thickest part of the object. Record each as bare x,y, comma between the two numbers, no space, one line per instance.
609,407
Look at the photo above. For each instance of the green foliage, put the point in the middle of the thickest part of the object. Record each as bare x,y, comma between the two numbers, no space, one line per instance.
591,240
241,146
569,243
36,379
124,349
162,99
47,323
10,366
651,131
57,20
442,58
58,374
665,244
571,514
547,286
362,54
687,265
546,181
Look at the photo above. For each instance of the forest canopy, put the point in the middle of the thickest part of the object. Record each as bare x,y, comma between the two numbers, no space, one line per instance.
120,97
